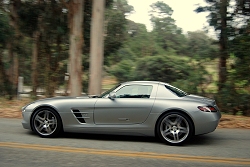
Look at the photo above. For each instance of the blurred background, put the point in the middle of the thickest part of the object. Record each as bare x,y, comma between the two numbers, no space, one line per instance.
37,50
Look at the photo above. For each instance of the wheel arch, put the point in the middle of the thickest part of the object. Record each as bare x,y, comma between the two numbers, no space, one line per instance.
173,110
41,107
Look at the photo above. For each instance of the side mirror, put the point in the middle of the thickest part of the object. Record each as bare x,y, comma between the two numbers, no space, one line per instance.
112,95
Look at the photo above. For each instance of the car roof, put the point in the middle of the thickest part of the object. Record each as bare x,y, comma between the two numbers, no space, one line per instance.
144,82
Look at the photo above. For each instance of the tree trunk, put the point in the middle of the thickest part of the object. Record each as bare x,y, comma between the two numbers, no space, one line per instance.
15,73
223,45
75,49
49,92
96,47
36,36
6,82
10,70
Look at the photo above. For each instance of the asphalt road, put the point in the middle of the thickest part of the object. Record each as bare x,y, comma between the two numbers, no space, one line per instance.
22,148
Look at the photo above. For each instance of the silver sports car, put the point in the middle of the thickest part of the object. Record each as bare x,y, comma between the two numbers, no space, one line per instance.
132,108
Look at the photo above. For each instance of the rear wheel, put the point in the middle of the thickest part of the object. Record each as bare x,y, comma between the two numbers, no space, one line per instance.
46,122
174,128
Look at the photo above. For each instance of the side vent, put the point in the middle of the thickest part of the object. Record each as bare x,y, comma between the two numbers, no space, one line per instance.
78,115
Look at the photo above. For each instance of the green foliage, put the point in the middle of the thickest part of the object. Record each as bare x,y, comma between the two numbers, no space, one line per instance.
231,22
123,6
160,9
230,100
144,54
165,32
5,29
141,42
131,52
238,84
123,53
200,46
161,68
115,31
123,71
216,13
28,14
197,81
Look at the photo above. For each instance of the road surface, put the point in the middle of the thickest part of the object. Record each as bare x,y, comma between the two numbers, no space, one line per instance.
22,148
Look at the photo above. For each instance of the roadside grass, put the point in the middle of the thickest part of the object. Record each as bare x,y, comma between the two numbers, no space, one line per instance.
212,69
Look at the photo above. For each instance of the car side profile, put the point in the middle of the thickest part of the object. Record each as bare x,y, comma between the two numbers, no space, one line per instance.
149,108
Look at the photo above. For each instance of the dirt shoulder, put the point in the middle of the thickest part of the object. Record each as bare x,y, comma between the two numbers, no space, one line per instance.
232,121
12,109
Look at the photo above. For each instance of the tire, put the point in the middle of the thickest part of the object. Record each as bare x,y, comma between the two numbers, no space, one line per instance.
174,128
46,123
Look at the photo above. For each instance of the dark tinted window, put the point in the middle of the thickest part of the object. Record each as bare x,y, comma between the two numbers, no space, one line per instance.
176,91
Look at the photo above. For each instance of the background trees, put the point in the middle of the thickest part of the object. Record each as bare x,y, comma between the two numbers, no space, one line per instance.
41,38
230,19
5,36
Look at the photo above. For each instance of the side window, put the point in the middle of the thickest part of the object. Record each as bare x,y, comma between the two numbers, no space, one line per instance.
134,91
176,91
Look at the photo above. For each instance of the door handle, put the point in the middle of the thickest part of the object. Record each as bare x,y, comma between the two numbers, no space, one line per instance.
123,119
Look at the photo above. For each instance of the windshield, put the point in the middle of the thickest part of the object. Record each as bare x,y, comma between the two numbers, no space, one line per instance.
176,91
108,91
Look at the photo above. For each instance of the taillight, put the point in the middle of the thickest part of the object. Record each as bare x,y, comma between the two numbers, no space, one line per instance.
207,108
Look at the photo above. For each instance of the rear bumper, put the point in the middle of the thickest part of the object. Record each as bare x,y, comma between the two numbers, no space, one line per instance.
206,122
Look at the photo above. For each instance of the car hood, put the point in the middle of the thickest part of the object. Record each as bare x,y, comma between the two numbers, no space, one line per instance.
60,98
200,98
40,101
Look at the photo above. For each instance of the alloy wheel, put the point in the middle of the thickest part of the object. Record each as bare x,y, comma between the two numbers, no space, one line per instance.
174,128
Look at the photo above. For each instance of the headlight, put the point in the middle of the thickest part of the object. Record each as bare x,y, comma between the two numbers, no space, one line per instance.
24,107
207,108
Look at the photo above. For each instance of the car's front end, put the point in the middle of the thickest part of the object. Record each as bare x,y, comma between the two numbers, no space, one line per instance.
26,114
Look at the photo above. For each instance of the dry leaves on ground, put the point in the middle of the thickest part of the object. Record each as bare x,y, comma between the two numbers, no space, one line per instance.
234,121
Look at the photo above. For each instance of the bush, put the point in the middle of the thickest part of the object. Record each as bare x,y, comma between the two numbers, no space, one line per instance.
161,68
123,71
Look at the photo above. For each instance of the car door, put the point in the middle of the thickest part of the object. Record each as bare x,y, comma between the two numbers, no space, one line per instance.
132,105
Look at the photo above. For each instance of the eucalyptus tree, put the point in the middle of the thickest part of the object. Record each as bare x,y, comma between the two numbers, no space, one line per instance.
230,19
201,47
45,23
5,37
112,30
10,8
115,26
97,47
219,18
166,33
75,24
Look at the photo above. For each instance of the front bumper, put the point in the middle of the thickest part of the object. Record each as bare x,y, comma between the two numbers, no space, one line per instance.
26,120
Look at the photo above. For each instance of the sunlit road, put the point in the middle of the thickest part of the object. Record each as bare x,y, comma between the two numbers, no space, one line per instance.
20,147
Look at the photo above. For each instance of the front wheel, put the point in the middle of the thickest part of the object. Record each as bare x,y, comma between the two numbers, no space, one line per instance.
174,128
46,122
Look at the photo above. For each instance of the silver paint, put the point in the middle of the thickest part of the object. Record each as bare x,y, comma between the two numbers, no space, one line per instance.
133,116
